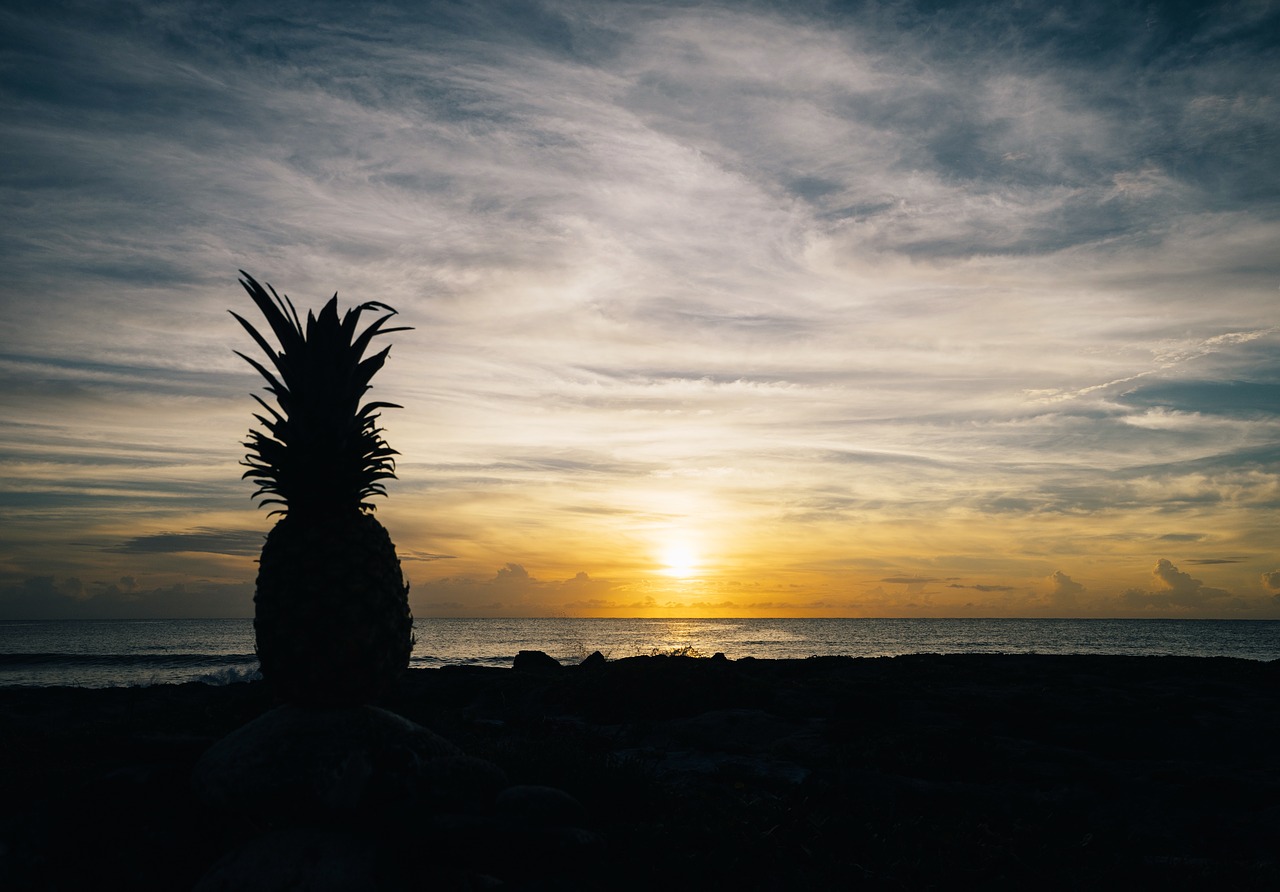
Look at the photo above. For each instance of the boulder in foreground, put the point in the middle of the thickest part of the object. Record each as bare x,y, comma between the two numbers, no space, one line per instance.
301,762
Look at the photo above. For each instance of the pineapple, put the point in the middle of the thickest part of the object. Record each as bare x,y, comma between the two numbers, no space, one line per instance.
331,610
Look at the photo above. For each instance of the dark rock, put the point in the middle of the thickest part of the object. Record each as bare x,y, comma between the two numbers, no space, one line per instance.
535,661
1017,771
315,860
719,657
299,762
540,831
595,661
735,741
539,806
318,860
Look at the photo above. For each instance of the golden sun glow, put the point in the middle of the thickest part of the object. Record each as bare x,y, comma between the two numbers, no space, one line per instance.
679,560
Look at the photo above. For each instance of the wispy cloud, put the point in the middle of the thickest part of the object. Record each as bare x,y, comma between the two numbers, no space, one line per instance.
234,542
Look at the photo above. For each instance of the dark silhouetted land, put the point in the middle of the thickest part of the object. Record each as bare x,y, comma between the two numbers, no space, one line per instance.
918,771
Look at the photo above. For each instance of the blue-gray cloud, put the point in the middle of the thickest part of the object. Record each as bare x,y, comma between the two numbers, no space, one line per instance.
208,541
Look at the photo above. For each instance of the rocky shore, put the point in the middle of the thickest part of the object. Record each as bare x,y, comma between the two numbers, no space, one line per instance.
1007,771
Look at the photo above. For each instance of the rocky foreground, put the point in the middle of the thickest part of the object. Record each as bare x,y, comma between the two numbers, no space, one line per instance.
664,772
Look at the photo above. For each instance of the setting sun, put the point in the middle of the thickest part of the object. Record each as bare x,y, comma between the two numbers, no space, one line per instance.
679,560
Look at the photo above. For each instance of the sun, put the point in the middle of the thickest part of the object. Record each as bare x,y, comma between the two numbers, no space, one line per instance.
678,560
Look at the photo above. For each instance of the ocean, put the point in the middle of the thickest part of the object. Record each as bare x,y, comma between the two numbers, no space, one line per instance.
112,653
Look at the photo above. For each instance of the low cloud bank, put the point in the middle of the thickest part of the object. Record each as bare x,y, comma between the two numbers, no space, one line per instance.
48,597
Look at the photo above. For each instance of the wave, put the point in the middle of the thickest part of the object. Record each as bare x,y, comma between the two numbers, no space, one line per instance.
153,660
231,675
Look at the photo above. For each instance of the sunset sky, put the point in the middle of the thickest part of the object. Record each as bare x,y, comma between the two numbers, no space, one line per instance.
720,309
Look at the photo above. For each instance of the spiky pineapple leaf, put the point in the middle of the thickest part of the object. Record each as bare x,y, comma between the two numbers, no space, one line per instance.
324,451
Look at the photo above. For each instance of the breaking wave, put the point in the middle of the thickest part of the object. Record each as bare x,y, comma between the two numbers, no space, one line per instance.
124,670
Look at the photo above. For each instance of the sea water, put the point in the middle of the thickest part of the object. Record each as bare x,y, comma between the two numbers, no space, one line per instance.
107,653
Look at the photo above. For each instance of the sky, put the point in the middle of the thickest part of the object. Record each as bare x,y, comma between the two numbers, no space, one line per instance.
719,309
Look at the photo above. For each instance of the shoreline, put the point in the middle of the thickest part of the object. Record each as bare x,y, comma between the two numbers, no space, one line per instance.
890,771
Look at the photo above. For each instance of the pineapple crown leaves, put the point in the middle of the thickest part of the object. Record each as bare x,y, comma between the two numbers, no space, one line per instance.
322,451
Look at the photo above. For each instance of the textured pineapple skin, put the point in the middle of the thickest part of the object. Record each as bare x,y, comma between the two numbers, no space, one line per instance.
331,611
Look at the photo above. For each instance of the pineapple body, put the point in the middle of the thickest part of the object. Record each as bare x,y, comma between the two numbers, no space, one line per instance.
332,618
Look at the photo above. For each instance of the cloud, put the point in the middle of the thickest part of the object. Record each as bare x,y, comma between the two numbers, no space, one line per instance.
582,582
1175,580
1180,590
47,597
34,591
513,575
511,591
203,539
423,556
914,584
1271,580
1065,590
